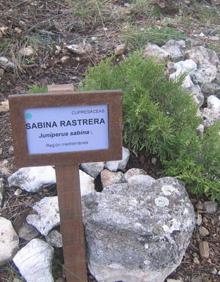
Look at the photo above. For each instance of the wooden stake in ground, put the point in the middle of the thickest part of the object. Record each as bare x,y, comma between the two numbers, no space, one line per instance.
64,129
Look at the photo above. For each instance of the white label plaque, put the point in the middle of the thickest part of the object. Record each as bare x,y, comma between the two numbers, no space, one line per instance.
66,129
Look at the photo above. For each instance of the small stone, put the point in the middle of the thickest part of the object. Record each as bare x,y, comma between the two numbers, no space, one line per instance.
204,249
18,192
4,106
134,171
11,150
5,168
9,241
196,260
200,129
198,219
80,49
199,206
58,50
26,51
18,30
154,161
34,261
203,231
27,232
120,49
109,178
3,62
64,59
174,280
54,238
1,151
214,271
210,207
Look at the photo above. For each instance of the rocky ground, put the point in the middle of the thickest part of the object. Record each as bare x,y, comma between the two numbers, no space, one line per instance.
45,42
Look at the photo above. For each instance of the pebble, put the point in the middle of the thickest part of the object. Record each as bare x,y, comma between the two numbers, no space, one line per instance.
64,59
1,151
27,232
11,150
204,249
199,206
210,207
120,49
196,260
199,219
203,231
17,192
26,51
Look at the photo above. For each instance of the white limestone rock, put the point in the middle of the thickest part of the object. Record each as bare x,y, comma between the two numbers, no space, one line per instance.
32,179
137,232
205,74
47,215
9,241
203,56
87,184
134,171
109,177
93,169
212,112
120,164
152,50
141,180
183,67
175,49
34,261
54,238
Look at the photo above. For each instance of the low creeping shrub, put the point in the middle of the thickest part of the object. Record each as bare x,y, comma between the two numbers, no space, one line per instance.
160,118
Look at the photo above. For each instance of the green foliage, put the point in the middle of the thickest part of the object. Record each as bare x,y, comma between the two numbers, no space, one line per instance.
160,118
34,89
137,37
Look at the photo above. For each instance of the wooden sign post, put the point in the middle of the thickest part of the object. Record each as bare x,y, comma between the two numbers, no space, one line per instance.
64,128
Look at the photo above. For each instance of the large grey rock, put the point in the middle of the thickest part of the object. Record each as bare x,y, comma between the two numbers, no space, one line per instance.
152,50
93,169
138,232
205,74
47,215
9,241
175,49
203,56
212,112
32,179
34,261
211,89
120,164
183,67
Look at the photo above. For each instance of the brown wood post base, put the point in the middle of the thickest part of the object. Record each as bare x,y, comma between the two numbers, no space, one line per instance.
69,196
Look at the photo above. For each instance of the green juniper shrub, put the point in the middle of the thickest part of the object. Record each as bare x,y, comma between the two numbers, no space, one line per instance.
160,118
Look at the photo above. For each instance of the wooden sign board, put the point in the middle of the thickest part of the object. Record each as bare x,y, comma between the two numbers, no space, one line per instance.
64,128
